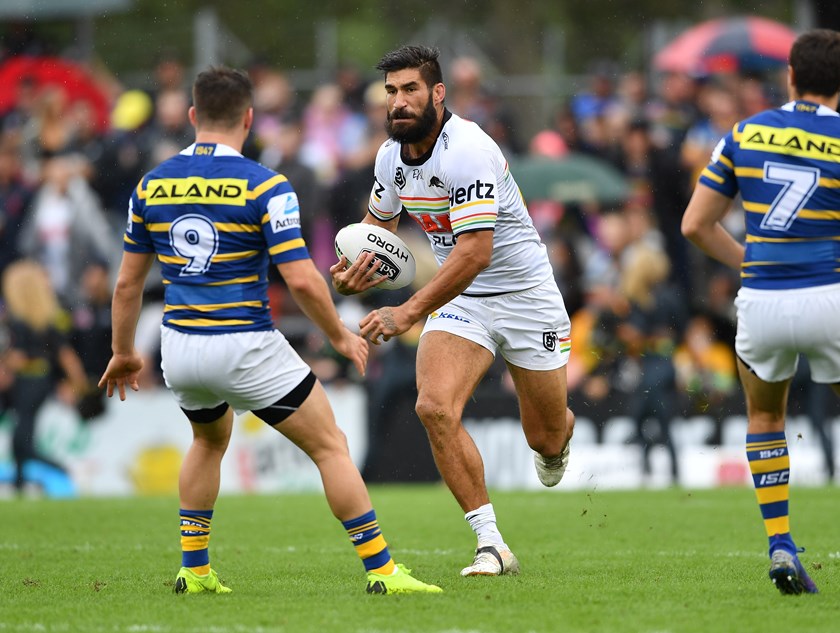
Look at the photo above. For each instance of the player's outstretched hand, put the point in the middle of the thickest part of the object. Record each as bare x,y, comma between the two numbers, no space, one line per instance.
122,370
358,277
354,348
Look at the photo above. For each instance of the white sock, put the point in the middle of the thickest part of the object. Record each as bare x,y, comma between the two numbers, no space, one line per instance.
483,522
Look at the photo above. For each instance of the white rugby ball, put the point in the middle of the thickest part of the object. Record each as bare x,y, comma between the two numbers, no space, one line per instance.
398,263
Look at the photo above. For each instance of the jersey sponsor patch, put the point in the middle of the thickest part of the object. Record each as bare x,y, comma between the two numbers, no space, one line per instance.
790,141
284,212
197,190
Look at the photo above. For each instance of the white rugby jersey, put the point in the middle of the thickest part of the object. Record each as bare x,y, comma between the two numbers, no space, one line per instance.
463,184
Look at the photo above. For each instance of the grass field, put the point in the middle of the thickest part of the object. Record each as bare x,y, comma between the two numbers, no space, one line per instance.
647,561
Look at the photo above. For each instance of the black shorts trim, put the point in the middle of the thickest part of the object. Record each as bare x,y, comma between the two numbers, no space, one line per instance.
206,416
288,404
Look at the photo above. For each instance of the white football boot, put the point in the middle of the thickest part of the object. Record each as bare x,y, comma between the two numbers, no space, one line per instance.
551,470
492,560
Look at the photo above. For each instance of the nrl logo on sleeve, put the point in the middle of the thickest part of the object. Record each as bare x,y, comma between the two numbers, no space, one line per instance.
399,178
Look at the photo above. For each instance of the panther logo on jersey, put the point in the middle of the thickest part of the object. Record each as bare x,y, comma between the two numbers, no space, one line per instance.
399,178
436,182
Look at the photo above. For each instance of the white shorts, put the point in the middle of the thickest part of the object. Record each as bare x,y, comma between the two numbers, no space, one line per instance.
248,370
531,329
775,326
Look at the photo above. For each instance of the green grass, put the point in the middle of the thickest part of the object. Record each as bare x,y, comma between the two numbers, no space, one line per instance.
647,562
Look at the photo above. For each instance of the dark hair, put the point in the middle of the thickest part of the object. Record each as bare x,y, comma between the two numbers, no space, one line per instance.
424,58
221,96
815,60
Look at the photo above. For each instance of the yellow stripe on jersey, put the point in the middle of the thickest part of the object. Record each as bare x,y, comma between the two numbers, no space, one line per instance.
129,240
788,240
790,141
268,184
809,214
209,322
758,172
749,172
231,227
197,190
723,159
287,246
238,280
708,173
213,307
136,219
226,227
231,257
471,204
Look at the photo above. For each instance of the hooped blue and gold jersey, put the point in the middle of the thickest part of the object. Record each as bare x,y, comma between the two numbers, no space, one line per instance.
215,219
786,165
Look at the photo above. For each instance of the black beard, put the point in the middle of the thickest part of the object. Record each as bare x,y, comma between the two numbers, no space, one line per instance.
422,126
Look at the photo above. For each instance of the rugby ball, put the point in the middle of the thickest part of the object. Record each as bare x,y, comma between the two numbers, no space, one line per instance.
398,263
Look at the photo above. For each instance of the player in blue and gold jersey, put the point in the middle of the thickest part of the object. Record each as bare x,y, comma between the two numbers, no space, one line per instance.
214,220
785,163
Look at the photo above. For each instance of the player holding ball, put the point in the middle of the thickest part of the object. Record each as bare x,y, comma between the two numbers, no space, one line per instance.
494,291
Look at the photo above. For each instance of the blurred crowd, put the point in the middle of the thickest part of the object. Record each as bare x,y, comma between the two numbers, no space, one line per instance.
652,320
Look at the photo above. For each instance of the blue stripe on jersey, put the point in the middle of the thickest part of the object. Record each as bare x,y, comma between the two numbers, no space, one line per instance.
785,163
214,217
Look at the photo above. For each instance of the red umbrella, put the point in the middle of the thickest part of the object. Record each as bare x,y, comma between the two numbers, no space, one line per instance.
728,45
76,82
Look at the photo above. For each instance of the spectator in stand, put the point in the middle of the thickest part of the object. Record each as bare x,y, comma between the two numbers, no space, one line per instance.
91,334
674,110
274,100
126,149
170,130
649,333
66,227
467,96
721,113
47,132
39,353
705,366
26,104
331,131
168,74
658,182
15,201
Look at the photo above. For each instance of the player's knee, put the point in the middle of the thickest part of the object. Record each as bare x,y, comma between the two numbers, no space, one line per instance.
435,416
